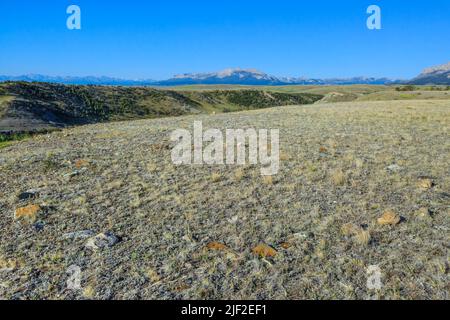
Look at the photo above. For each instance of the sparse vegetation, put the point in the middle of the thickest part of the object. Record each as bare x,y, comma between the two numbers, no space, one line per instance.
364,183
7,140
406,88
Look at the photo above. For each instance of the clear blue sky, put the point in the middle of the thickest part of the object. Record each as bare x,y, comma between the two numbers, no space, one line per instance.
159,38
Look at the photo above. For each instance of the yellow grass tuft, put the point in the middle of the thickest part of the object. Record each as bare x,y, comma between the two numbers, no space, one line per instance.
284,156
389,218
268,180
362,237
153,275
216,177
338,177
89,292
349,229
239,174
358,234
425,184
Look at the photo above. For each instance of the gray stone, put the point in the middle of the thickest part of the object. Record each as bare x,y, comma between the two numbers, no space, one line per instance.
102,241
394,168
84,234
29,194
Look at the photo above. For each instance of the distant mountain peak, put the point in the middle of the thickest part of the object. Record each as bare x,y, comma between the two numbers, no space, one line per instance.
239,71
227,73
438,75
438,69
227,76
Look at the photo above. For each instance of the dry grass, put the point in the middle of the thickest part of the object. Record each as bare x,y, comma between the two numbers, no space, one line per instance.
319,214
216,177
389,218
338,177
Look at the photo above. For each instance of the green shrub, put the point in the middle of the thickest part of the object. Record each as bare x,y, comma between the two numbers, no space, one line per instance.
406,88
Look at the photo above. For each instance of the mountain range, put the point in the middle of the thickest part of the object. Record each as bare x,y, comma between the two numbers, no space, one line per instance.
89,80
229,76
254,77
439,75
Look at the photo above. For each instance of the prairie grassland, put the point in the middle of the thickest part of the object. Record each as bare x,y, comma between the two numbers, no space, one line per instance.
361,184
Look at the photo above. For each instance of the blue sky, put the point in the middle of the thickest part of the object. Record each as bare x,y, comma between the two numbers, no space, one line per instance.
159,38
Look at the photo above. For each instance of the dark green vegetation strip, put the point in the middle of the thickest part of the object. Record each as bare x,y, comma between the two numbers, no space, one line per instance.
56,106
8,139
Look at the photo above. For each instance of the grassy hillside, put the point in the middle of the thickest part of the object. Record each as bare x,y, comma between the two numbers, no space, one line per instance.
36,107
345,93
28,107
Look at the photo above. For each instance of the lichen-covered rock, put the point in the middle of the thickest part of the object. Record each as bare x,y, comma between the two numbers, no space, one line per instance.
27,214
264,251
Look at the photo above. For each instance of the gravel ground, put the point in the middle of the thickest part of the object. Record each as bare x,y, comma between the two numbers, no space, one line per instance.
106,203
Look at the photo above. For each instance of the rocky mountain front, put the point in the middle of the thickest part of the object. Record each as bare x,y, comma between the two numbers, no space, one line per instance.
438,75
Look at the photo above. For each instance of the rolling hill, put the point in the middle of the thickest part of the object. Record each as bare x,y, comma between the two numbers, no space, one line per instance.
30,107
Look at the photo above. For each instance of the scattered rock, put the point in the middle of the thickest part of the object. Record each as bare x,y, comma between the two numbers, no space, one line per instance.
264,251
300,236
84,234
102,241
81,163
27,214
389,218
233,220
323,150
39,226
286,245
75,173
216,246
30,194
394,168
